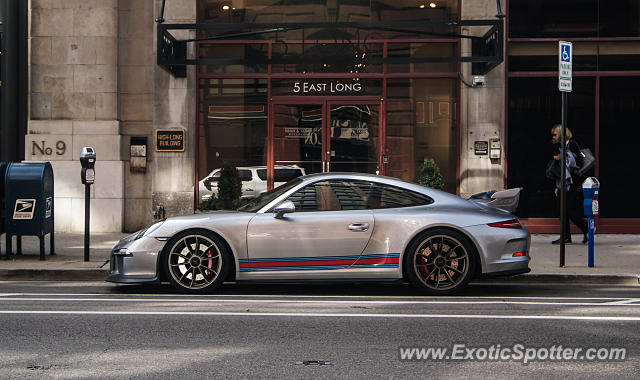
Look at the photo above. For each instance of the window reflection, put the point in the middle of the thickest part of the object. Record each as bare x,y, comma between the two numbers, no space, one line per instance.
574,18
305,11
535,107
421,123
233,123
422,50
248,58
342,56
619,115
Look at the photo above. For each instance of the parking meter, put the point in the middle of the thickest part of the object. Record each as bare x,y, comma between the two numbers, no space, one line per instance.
590,190
88,177
88,162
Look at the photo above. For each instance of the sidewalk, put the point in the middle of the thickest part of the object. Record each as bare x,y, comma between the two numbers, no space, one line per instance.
617,260
67,265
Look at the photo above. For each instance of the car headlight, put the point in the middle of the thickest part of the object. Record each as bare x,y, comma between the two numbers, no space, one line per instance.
147,231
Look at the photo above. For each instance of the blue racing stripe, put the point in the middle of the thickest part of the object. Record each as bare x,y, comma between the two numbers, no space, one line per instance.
322,267
319,258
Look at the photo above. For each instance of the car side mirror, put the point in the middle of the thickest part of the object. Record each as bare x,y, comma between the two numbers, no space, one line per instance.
285,207
207,183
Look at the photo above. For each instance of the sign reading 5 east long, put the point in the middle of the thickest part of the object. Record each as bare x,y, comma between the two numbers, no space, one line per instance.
327,87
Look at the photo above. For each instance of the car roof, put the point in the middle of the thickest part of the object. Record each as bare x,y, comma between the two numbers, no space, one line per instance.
264,167
364,177
440,195
352,175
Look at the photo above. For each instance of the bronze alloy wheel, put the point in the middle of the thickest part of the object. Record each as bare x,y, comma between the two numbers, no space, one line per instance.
195,261
441,262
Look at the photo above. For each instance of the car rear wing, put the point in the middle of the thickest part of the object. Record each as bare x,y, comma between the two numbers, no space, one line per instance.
505,199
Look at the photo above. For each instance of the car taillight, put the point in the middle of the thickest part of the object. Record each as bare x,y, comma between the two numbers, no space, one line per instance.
513,223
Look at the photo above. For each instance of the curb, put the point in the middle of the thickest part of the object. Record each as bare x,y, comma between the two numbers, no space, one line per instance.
53,274
533,278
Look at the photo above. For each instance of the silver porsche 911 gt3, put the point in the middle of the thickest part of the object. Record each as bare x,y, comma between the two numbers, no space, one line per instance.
334,226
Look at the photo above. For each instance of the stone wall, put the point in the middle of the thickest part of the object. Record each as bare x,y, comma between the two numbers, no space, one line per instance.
73,103
136,63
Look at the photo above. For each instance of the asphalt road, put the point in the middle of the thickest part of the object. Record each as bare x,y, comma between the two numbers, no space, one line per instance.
97,330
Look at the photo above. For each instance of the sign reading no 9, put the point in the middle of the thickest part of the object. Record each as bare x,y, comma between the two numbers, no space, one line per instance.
43,149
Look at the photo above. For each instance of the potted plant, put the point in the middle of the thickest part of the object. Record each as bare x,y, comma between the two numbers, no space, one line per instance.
229,190
430,175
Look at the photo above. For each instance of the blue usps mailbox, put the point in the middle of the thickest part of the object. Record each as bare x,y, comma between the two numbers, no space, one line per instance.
590,190
28,200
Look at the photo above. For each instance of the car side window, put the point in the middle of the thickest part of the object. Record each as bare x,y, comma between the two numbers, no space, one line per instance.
244,174
332,195
286,174
386,196
215,177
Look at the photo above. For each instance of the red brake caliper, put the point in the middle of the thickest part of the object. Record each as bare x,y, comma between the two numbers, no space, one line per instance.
422,261
210,265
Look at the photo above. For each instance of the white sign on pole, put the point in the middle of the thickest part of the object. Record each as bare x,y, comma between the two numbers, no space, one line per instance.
565,66
565,85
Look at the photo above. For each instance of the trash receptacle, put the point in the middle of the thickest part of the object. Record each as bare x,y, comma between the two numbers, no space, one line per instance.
28,195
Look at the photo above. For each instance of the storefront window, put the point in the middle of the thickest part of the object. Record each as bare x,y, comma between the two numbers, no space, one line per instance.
308,11
238,58
345,56
619,115
399,51
233,123
535,102
421,123
587,56
574,18
322,122
405,10
534,108
543,56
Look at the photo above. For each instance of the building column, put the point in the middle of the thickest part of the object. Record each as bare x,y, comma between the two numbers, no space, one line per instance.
174,108
73,103
482,114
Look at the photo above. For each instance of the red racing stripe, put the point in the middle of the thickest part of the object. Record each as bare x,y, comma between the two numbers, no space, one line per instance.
302,263
382,260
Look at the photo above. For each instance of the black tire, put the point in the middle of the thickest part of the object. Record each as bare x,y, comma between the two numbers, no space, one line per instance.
196,261
440,262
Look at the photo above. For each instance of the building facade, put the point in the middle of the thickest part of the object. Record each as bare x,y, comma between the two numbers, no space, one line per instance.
372,86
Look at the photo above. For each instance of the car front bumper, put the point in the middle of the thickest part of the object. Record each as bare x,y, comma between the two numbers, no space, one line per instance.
135,261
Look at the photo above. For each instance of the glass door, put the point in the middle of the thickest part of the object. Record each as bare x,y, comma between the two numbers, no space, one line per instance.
298,138
322,136
354,137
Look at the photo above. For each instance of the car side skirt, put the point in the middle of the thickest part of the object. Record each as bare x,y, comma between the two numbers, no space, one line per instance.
313,274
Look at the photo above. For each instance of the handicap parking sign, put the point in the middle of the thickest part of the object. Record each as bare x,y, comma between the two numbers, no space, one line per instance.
565,62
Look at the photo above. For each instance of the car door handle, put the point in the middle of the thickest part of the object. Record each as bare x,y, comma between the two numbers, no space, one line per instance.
358,227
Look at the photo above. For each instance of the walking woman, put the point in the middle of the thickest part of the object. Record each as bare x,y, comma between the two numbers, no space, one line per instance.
574,189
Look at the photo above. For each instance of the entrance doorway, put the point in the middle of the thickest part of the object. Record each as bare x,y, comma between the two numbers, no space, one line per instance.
328,135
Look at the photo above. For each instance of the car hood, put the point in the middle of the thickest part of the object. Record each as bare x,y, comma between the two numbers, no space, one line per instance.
210,220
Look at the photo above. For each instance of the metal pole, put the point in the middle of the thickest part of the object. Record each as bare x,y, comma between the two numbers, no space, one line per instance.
592,227
563,179
87,197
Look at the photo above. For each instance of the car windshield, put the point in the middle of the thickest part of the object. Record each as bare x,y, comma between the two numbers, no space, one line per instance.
263,199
